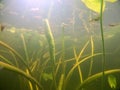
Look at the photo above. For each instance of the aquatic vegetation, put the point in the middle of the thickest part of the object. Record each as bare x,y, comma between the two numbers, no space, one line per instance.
95,5
28,66
45,62
57,71
15,52
51,43
62,76
103,44
16,70
112,81
50,40
99,75
99,6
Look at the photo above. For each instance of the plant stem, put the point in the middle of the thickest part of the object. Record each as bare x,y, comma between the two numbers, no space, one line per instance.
15,52
103,44
96,76
20,72
51,43
92,53
61,85
25,47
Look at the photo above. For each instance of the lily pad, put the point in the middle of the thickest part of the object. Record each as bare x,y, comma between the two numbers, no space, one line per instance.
112,1
94,5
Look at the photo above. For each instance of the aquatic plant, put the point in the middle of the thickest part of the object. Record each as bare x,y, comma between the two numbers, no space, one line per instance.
20,72
51,43
112,81
98,75
61,80
14,51
99,6
50,40
41,65
29,65
64,79
95,5
48,67
103,43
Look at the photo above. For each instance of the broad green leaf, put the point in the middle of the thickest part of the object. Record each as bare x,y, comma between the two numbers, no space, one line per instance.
112,1
94,5
112,81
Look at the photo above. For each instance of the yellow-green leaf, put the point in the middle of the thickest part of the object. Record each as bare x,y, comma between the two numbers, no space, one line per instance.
112,81
94,5
112,1
47,76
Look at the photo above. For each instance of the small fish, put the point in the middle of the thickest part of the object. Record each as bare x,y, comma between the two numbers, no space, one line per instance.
2,27
112,25
95,19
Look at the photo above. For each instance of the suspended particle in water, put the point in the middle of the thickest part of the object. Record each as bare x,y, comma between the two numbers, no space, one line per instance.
2,27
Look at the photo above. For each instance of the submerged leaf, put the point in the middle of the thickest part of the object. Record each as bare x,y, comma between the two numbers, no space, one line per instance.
112,81
112,1
47,76
94,5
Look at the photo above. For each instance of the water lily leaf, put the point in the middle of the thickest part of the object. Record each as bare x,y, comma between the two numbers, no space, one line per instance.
112,1
112,81
94,5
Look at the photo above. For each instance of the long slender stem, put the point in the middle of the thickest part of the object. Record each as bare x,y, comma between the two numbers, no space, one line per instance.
61,81
14,51
97,76
25,47
50,40
20,72
92,53
103,44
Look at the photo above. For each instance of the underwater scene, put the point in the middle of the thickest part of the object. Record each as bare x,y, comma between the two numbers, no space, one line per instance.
59,44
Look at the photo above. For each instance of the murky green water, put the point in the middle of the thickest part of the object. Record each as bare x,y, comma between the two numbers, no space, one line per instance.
63,54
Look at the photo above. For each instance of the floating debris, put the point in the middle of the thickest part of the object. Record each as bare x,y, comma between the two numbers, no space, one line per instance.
2,27
12,30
